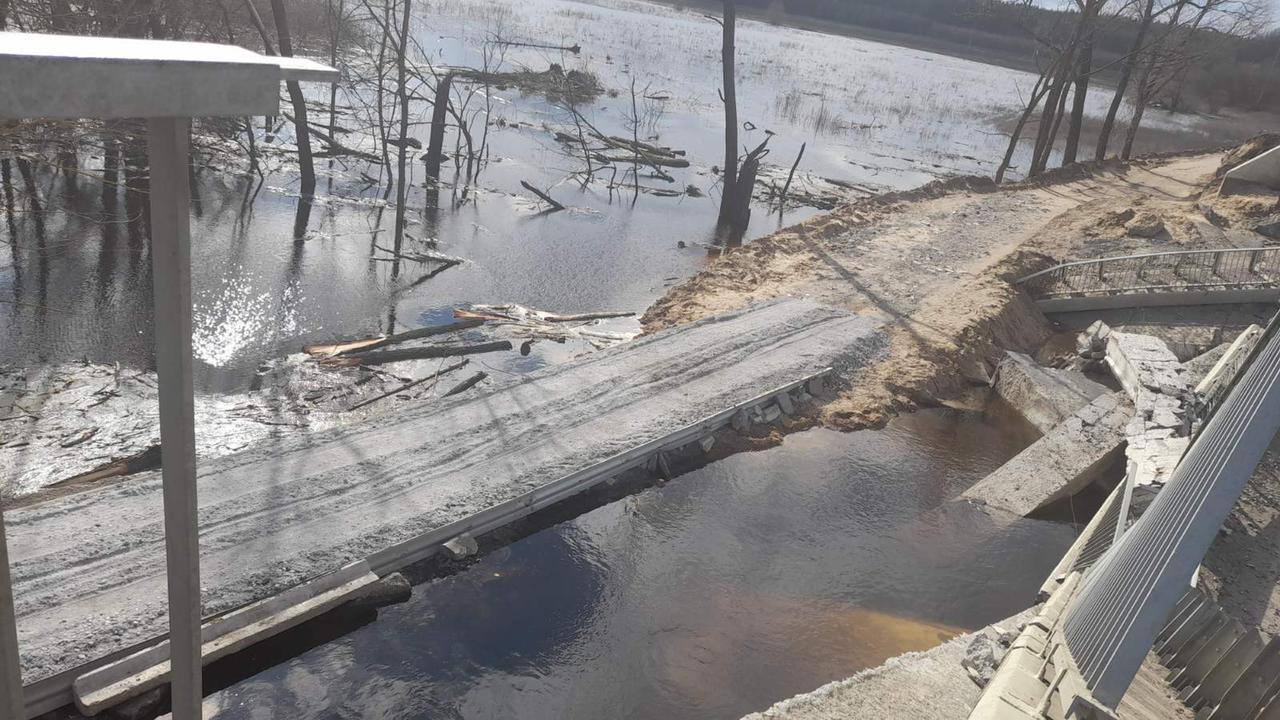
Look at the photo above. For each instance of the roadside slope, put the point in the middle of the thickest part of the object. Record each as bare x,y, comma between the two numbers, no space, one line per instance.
936,265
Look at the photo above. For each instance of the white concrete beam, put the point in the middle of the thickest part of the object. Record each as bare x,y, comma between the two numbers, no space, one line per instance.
168,146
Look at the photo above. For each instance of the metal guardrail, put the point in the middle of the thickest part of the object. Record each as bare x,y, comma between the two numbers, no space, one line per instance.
1186,270
1128,594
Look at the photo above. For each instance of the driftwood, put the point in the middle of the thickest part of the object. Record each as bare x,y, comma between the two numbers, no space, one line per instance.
421,257
637,146
644,159
574,48
148,459
790,176
407,386
521,313
374,343
335,148
539,324
555,206
467,384
379,357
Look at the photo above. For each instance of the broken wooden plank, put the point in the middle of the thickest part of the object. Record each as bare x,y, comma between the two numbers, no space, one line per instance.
374,343
407,386
378,357
467,384
555,206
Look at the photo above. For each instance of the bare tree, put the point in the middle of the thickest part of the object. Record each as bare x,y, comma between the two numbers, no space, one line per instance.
403,146
1146,16
1089,11
729,95
302,130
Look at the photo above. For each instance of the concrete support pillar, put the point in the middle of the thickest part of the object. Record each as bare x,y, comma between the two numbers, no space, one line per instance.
11,706
168,144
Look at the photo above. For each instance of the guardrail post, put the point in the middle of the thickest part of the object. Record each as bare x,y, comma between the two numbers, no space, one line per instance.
1217,263
11,705
168,148
1253,262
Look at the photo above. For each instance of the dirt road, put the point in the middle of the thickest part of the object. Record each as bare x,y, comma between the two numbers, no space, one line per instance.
88,569
935,264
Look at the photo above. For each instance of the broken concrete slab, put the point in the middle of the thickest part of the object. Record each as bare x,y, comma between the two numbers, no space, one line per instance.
1159,386
1043,396
1143,362
1066,460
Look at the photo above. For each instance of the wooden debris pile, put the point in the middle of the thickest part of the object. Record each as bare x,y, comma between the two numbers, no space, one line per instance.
525,322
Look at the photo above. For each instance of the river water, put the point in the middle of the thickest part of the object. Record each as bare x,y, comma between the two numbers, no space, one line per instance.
74,271
731,587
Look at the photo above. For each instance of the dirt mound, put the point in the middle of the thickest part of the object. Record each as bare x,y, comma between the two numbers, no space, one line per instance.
1245,152
1246,206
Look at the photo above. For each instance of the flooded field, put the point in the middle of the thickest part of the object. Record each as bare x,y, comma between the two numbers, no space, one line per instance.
74,277
729,588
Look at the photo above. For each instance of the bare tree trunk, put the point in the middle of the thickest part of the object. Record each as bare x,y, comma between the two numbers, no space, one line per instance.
1122,83
439,119
1038,91
1084,67
1149,82
1139,107
1053,132
380,101
730,21
402,187
1262,86
335,36
1050,117
1044,145
301,129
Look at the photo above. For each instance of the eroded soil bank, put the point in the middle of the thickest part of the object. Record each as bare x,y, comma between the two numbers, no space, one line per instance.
937,264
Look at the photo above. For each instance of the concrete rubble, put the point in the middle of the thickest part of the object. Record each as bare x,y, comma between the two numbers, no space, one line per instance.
1067,459
1044,396
1159,387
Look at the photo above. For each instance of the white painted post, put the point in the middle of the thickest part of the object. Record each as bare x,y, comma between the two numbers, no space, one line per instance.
11,705
168,144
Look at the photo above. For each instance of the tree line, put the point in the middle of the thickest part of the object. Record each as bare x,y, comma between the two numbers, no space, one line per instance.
1234,46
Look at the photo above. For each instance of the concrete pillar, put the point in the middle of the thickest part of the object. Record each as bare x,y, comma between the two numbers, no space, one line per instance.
11,705
168,145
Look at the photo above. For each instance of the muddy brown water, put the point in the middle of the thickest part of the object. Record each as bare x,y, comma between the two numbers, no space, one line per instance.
731,587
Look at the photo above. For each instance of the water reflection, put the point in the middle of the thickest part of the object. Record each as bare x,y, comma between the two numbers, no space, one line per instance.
736,585
81,289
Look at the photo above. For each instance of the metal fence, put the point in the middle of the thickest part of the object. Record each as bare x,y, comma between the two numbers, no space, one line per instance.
1222,269
1128,594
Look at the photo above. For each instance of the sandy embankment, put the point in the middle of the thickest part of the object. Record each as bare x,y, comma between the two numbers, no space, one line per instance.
937,265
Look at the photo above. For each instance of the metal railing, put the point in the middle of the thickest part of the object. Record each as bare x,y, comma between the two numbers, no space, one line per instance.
1129,592
1185,270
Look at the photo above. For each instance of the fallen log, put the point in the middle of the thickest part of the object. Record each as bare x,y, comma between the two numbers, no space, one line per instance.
407,386
467,384
374,343
379,357
336,148
643,159
555,206
148,459
638,146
